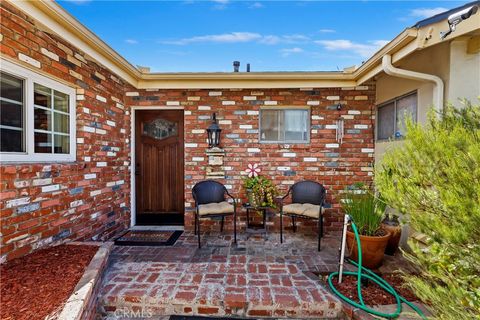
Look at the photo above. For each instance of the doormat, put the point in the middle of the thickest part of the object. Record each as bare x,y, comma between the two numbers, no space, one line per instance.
148,238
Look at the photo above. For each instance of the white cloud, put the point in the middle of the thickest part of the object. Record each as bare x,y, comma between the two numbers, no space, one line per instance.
256,5
78,1
131,41
238,37
365,50
220,4
288,51
295,38
233,37
291,38
426,12
326,31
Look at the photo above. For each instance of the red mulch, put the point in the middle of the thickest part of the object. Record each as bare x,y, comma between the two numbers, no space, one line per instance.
37,285
372,293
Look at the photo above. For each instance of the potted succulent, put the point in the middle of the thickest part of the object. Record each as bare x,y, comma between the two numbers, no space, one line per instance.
367,211
260,190
391,223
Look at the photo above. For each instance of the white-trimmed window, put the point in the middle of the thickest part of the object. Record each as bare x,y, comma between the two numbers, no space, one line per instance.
37,117
284,125
391,116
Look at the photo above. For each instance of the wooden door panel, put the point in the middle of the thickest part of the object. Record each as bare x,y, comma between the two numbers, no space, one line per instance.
159,161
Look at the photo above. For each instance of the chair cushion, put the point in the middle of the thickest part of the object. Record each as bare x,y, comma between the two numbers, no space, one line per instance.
215,208
302,209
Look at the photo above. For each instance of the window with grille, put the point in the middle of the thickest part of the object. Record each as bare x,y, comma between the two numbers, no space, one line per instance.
37,117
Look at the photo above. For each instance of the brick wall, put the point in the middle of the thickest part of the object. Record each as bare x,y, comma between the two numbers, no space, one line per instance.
322,160
46,203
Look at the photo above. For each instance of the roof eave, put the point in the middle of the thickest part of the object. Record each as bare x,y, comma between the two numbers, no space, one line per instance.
370,68
52,16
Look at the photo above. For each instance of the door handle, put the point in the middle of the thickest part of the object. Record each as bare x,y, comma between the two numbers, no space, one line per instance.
137,169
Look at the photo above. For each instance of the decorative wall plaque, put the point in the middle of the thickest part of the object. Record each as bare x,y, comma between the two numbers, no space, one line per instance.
214,169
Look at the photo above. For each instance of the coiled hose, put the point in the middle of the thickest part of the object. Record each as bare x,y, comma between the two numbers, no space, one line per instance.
363,272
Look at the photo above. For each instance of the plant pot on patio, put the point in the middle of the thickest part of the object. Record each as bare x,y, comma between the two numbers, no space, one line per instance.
373,248
392,225
367,212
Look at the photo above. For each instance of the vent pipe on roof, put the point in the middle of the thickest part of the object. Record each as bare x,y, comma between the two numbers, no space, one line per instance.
236,66
248,67
438,91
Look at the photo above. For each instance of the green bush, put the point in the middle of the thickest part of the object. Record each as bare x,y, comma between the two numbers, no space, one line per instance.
434,179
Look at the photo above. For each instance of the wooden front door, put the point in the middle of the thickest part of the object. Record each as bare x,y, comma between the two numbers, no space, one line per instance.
159,167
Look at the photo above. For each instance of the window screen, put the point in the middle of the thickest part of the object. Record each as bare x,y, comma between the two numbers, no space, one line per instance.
386,121
406,107
284,125
391,117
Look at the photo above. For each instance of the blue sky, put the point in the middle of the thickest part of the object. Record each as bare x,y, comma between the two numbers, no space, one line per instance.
197,36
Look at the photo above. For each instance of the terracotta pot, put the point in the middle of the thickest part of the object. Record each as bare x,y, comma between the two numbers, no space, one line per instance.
395,233
373,249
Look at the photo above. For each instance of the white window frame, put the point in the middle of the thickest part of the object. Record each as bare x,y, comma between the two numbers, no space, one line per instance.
394,101
30,77
285,108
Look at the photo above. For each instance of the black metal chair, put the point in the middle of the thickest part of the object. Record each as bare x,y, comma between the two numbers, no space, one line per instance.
308,198
210,202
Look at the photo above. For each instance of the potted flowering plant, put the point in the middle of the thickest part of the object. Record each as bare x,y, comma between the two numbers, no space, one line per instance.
260,190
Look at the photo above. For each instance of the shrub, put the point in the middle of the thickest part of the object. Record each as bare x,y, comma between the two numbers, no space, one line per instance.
434,179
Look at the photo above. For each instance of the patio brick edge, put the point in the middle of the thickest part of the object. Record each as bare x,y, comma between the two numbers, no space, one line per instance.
82,303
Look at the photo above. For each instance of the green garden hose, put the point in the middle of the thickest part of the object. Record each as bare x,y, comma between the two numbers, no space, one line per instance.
376,279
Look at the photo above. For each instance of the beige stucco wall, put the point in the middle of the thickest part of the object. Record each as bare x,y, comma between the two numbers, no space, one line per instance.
464,73
434,60
459,70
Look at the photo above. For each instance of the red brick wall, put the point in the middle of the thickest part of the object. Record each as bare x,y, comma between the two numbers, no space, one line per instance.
93,197
237,110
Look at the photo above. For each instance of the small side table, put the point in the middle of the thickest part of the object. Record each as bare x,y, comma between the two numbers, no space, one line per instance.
257,228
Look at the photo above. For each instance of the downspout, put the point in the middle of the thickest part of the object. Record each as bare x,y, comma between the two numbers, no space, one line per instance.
438,90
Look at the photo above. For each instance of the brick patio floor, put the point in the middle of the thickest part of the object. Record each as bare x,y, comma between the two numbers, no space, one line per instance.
255,278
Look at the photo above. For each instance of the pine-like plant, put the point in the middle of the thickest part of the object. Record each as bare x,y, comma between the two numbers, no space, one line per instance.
434,179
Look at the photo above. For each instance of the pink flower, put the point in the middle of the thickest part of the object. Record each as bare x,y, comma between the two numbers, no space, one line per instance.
253,170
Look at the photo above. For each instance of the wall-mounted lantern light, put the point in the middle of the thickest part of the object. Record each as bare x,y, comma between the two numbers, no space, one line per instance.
213,132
